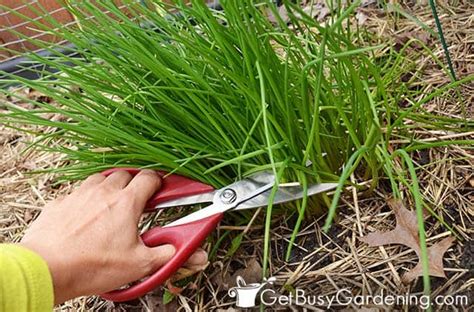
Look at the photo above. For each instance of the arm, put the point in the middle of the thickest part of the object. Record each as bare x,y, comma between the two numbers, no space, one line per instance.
90,241
25,280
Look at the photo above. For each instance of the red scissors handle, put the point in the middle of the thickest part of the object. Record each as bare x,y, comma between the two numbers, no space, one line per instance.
172,187
185,238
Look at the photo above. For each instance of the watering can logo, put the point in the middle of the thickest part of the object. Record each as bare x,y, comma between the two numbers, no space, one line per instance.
246,293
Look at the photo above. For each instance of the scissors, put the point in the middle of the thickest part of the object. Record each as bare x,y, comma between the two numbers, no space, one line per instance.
189,232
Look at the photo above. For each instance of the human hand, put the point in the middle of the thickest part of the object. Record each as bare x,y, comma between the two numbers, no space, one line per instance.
90,241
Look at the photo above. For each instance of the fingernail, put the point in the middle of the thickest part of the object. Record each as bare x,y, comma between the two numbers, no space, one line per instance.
200,256
149,171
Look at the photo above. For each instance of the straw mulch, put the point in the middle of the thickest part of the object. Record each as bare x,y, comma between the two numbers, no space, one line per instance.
322,263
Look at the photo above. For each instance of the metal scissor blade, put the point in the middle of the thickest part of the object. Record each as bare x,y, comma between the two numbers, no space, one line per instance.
285,194
186,201
241,192
198,215
242,187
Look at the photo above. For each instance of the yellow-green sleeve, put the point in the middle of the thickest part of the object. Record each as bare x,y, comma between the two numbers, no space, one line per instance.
25,283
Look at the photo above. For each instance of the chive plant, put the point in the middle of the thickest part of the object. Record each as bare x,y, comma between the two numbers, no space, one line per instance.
219,95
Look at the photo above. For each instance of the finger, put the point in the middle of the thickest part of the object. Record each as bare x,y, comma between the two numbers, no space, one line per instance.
92,180
199,258
158,256
142,187
118,179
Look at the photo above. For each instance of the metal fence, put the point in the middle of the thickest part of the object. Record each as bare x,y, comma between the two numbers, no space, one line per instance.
16,34
13,45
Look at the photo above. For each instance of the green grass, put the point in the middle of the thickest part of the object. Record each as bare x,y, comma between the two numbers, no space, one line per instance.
442,39
218,96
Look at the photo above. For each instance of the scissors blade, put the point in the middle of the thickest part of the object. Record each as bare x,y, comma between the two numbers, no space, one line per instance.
285,194
243,187
241,191
188,200
198,215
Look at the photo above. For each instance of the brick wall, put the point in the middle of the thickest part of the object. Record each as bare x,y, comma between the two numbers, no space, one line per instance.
9,21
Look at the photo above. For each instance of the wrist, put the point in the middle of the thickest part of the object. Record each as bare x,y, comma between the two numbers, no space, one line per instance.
63,285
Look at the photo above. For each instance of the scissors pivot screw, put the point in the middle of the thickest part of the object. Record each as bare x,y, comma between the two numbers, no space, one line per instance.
228,196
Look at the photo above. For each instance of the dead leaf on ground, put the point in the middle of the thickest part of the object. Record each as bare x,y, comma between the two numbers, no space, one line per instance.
318,10
406,233
422,36
435,256
252,273
361,17
181,274
282,12
367,3
155,303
